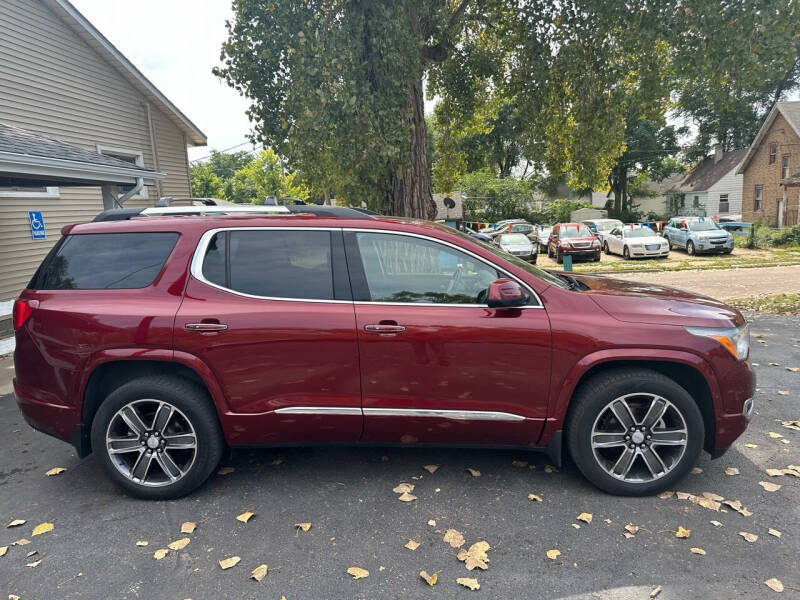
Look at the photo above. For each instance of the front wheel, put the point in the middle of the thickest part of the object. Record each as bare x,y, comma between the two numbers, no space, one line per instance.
634,432
626,254
596,257
559,257
158,437
690,248
605,248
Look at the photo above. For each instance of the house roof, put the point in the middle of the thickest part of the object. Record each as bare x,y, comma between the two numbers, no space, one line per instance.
790,111
30,157
708,172
78,23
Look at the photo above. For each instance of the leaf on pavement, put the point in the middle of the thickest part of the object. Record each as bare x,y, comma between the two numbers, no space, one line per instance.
684,495
227,563
429,579
406,497
534,498
682,532
751,445
519,463
774,472
21,542
431,468
769,487
179,544
774,435
469,582
696,471
188,527
259,572
585,517
358,572
550,469
42,528
783,392
716,523
553,554
655,592
3,550
473,472
632,529
774,584
412,545
699,551
160,553
225,470
774,364
731,471
795,425
665,495
432,523
303,526
34,564
401,488
793,369
750,537
476,556
17,523
454,538
774,532
55,471
245,516
713,496
277,461
142,543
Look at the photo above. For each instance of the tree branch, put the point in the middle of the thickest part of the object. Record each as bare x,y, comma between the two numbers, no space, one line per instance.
459,12
440,51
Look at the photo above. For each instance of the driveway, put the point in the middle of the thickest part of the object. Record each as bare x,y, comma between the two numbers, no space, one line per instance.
356,520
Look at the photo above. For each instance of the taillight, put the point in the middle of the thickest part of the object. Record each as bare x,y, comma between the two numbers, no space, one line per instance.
23,309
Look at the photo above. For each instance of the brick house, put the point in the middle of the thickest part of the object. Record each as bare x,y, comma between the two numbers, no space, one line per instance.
767,169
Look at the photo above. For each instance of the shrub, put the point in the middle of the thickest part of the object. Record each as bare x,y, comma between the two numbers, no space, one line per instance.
764,237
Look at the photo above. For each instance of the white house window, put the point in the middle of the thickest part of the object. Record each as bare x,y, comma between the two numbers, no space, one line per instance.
724,205
28,192
130,156
784,166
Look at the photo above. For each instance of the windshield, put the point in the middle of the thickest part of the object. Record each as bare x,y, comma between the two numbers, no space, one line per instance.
514,239
607,225
641,232
706,225
570,231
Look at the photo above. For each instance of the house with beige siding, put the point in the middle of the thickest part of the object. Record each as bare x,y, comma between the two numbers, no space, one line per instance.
770,196
81,130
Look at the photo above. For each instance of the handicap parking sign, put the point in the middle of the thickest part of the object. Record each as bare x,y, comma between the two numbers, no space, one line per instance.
37,224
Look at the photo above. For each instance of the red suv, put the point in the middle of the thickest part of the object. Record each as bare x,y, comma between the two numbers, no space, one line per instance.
157,341
575,239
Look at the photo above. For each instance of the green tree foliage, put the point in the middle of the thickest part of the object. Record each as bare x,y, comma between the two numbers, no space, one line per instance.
264,177
206,183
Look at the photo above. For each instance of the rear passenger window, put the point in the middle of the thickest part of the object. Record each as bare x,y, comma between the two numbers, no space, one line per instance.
105,261
273,263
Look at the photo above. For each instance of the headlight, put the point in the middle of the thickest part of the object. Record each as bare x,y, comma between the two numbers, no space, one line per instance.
735,339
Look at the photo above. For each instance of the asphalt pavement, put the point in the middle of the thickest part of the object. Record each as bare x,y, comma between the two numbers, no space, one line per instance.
356,520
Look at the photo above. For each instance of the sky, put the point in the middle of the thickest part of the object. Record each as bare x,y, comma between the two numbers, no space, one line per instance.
175,43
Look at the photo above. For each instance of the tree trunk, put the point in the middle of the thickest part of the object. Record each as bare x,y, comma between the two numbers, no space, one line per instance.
411,192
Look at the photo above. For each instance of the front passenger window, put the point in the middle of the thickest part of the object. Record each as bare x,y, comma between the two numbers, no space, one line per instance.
402,268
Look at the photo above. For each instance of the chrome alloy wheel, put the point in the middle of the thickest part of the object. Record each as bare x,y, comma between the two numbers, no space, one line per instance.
151,442
639,438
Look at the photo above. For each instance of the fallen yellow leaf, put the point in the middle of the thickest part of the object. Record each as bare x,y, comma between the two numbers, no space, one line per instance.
750,537
34,564
774,472
259,572
769,487
431,469
277,461
751,445
303,526
474,472
469,582
631,528
188,527
793,369
406,497
774,532
553,554
731,471
550,469
160,553
3,550
666,495
142,543
179,544
412,545
42,528
21,542
655,592
519,463
716,523
55,471
696,471
358,572
774,435
432,523
585,517
17,523
227,563
774,584
476,556
31,553
245,516
225,470
454,538
534,497
402,488
429,579
699,551
683,533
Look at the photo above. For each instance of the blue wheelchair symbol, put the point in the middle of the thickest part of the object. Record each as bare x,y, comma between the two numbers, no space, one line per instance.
37,225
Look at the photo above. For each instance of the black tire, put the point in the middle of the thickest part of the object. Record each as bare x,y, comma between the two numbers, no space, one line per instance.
559,257
626,254
191,400
596,257
592,398
690,250
549,252
605,248
727,251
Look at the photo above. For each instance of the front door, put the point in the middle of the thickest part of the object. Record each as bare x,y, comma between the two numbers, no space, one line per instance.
269,311
437,364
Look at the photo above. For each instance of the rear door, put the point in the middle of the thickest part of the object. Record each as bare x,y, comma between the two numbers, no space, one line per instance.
269,310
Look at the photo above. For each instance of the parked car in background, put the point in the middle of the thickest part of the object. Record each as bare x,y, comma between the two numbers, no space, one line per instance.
517,244
575,239
635,241
477,235
524,228
602,226
541,235
698,235
500,225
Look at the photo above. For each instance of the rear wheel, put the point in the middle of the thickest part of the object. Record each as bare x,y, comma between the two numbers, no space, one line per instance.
626,254
634,432
158,437
690,248
605,248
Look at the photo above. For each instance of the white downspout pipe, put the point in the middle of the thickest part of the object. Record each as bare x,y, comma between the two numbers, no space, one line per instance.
132,192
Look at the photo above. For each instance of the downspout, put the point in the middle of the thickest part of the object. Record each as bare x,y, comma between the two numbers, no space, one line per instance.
153,147
132,192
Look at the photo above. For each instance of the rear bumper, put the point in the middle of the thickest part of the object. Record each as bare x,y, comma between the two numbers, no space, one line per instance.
62,422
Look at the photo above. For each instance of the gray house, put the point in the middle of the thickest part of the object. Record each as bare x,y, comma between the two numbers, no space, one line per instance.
81,129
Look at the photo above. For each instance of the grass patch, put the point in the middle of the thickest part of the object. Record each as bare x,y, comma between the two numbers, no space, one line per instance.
776,258
781,304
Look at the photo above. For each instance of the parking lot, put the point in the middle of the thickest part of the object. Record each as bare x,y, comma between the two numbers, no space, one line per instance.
357,521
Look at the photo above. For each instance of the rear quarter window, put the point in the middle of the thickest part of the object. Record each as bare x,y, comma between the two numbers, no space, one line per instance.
98,261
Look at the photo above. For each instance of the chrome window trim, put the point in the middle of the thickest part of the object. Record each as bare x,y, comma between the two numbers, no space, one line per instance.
196,267
459,415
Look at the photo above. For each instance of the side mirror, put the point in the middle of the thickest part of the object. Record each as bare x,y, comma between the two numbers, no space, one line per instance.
506,293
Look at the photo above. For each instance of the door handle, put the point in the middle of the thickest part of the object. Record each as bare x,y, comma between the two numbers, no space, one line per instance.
205,327
384,328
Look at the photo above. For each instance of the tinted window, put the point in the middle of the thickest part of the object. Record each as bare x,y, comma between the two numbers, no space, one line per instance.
407,269
105,261
272,263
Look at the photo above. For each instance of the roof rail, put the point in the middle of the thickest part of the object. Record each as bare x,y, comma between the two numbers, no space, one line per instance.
211,210
124,214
